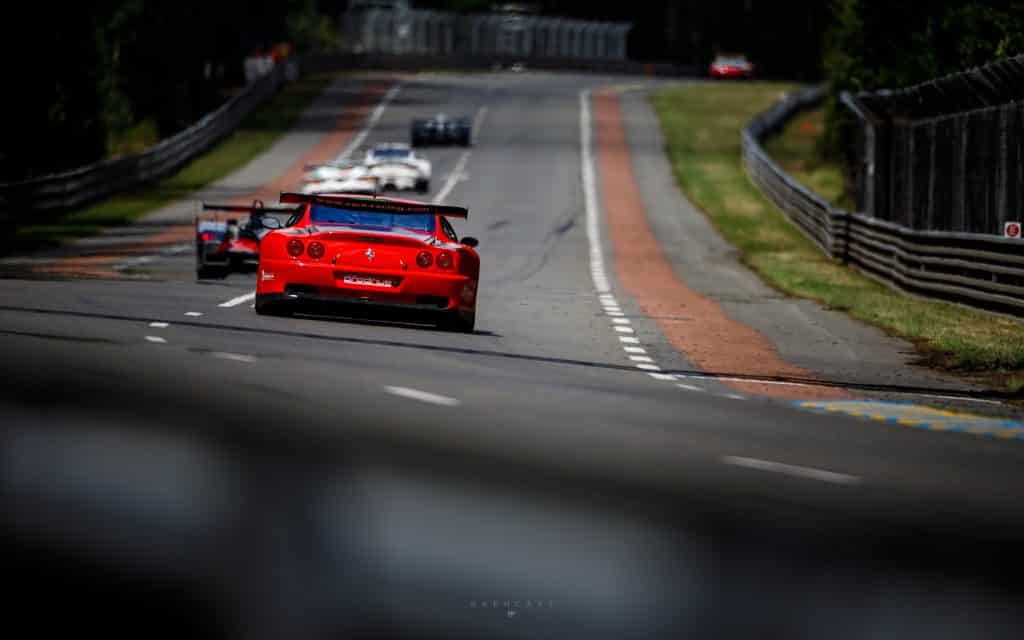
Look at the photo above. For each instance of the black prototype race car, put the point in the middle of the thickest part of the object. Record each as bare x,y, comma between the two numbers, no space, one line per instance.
442,130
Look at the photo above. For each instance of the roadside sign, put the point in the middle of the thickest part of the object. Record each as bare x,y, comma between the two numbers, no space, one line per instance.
1012,230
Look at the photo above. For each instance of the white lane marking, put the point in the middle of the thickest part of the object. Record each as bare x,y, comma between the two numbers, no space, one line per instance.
370,123
597,270
459,172
478,121
597,267
689,387
237,357
453,178
234,302
132,262
792,470
733,396
155,339
422,396
193,314
159,325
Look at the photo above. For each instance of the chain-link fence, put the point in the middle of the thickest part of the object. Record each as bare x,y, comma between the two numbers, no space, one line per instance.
910,251
946,155
408,31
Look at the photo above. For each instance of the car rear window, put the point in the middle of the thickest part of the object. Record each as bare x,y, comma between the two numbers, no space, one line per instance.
322,214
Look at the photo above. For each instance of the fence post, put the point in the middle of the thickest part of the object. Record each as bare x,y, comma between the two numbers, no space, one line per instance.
869,153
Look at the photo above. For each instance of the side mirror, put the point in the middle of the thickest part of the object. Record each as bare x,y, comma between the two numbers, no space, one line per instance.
270,222
470,241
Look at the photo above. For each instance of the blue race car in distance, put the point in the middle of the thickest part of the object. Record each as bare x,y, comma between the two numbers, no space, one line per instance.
442,130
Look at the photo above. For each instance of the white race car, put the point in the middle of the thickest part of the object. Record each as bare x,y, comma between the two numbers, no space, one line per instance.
333,171
361,184
397,166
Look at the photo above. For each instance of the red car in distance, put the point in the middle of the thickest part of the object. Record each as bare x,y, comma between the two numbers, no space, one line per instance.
396,257
731,66
225,245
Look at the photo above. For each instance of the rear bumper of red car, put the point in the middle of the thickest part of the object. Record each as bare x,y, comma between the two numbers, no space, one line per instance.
411,289
730,73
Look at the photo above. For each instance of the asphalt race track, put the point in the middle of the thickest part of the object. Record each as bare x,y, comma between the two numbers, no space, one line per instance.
172,458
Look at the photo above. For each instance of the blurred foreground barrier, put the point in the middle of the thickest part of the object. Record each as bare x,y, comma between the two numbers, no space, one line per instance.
79,187
981,270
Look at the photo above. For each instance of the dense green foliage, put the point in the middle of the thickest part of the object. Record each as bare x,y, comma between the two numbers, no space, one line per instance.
888,44
875,44
87,72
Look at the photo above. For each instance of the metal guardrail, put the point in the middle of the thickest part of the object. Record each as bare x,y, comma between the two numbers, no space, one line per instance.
84,185
980,270
403,31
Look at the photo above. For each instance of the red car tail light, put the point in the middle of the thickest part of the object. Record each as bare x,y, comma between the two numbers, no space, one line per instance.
315,250
424,259
295,248
207,236
444,260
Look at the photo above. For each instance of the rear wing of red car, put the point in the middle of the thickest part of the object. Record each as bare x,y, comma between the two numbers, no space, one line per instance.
256,206
377,204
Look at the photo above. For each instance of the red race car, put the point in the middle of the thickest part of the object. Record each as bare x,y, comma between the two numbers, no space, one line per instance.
350,251
224,245
734,66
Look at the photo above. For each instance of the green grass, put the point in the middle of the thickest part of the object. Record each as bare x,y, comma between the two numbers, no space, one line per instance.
138,138
257,133
797,149
702,128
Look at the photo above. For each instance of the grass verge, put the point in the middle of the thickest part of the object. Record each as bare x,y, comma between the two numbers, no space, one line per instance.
702,127
256,134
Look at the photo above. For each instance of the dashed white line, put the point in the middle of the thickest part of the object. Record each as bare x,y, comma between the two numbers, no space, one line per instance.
132,262
159,325
236,357
689,387
234,302
733,396
423,396
155,339
370,123
453,178
597,270
478,121
193,314
792,470
598,273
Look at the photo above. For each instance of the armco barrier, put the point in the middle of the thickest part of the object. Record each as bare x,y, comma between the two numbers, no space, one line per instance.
984,271
79,187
